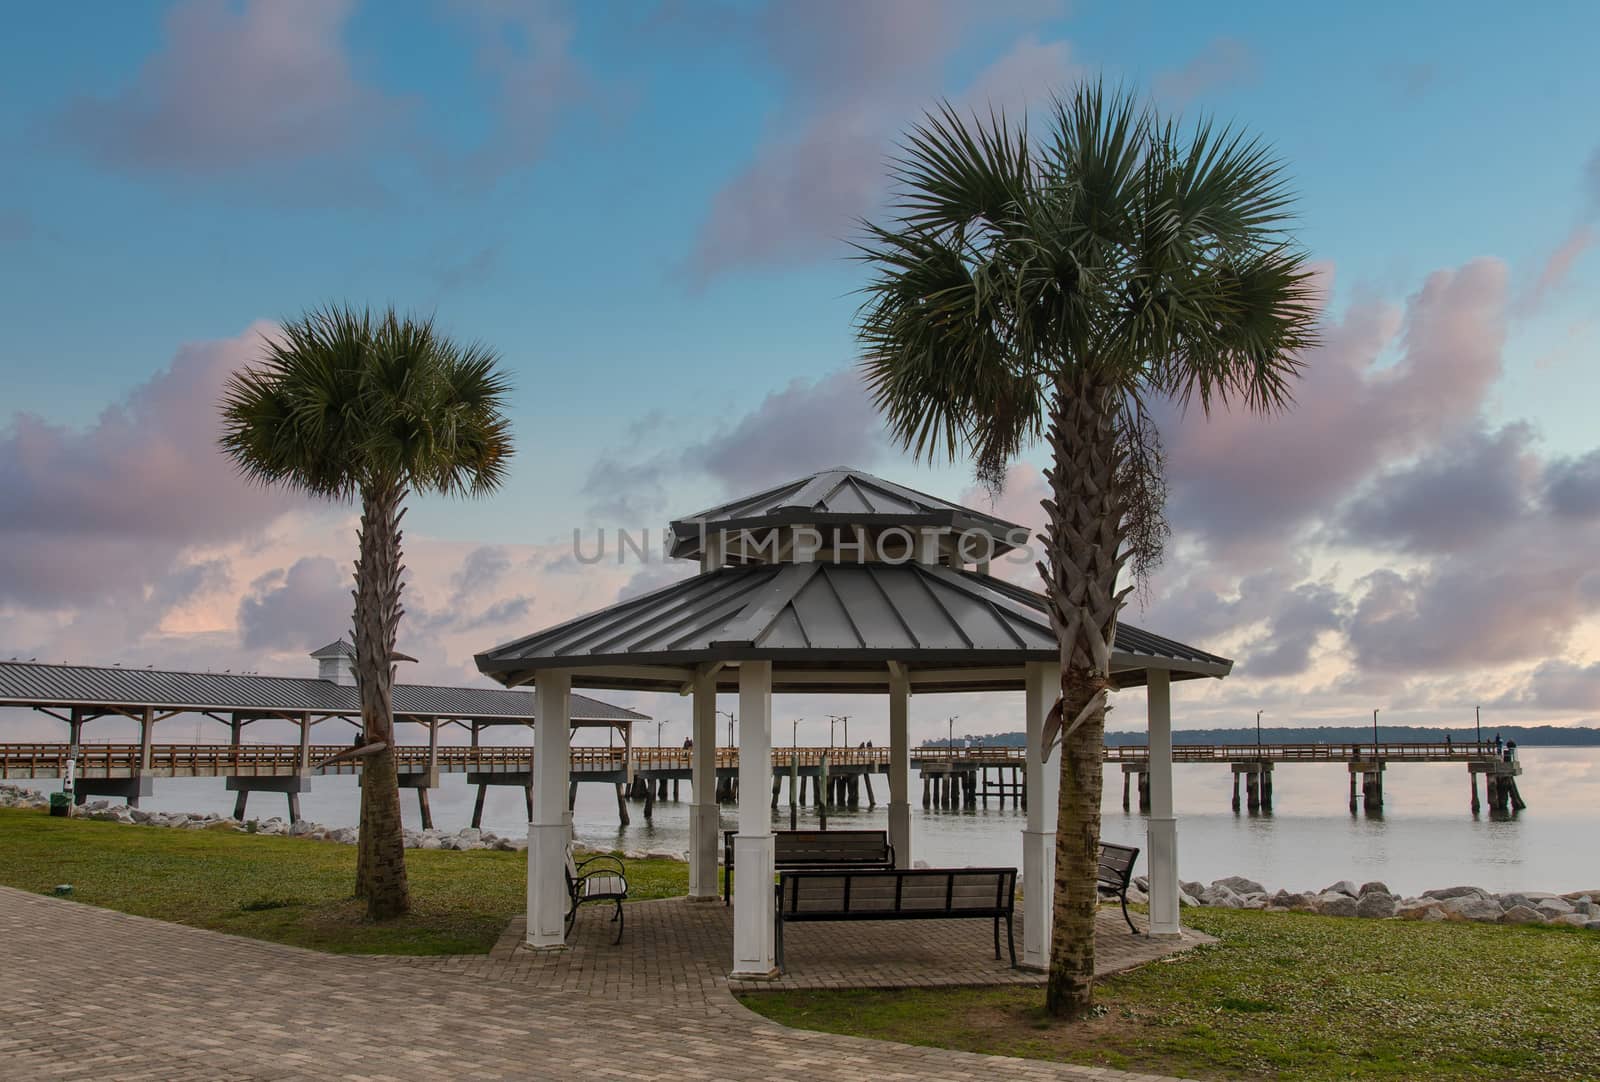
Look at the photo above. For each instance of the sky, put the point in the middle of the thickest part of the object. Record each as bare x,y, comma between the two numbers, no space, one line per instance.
646,209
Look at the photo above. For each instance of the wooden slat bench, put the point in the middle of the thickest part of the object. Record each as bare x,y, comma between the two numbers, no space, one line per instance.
899,894
802,850
1116,872
601,878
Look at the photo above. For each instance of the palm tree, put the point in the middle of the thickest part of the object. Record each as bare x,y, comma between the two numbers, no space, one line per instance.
345,405
1054,287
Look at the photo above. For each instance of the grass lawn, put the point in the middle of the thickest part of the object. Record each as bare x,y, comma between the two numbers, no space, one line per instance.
288,890
1283,996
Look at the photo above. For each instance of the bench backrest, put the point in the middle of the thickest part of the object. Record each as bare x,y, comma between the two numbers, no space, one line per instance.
1116,864
828,848
814,895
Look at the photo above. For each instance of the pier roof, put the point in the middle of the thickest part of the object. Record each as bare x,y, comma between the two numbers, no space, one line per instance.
114,689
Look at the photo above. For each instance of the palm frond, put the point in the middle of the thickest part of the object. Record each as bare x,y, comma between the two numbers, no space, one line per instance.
341,399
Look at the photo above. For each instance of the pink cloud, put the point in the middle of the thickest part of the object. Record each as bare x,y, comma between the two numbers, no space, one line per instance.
1246,484
857,74
1558,266
236,88
107,508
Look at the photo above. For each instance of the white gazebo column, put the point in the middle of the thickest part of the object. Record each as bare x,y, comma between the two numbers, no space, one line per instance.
900,764
1043,781
753,848
1161,854
703,812
548,832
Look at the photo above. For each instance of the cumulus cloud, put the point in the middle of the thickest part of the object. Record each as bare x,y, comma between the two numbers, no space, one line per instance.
107,509
1244,485
235,88
1468,487
298,608
1573,486
855,75
1300,617
1558,266
1561,685
1518,602
806,426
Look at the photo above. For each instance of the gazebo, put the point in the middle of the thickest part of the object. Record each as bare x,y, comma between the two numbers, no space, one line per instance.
835,582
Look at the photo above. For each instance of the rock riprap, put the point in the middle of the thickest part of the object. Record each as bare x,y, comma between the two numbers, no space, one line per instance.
15,796
1375,901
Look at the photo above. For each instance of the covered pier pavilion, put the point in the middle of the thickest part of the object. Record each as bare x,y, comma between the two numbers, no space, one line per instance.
79,694
839,582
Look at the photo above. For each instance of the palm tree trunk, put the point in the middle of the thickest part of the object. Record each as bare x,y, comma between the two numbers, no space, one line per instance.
381,856
1084,539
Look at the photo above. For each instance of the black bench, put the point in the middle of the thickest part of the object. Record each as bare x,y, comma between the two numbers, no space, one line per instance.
1116,872
600,878
802,850
900,894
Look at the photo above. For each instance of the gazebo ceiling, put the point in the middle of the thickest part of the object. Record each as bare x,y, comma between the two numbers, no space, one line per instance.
841,496
827,627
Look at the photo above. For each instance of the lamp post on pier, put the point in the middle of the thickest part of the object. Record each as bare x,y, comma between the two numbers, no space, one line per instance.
795,739
1374,734
835,719
950,733
1258,733
729,715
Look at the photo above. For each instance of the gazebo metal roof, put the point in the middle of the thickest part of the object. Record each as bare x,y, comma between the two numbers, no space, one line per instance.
828,627
839,496
114,689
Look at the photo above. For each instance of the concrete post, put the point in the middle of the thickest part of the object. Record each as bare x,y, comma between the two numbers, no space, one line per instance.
304,762
1043,778
1162,826
704,815
147,726
547,832
900,764
754,848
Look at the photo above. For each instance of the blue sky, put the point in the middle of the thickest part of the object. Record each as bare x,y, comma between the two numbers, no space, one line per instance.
643,208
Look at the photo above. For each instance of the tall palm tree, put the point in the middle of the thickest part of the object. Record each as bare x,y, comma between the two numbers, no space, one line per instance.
1053,287
346,405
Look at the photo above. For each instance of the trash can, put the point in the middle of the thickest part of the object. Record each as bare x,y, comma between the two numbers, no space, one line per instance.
60,804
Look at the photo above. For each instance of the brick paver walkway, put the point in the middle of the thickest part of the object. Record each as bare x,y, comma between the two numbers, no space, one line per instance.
94,993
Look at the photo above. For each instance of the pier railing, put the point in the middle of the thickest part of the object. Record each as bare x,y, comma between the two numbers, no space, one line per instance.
1310,753
247,760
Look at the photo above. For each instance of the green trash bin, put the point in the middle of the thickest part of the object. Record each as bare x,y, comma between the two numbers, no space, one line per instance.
60,804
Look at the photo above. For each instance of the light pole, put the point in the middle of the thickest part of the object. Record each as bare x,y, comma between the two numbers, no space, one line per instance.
1478,711
659,723
729,715
1374,734
795,741
1258,732
835,719
950,733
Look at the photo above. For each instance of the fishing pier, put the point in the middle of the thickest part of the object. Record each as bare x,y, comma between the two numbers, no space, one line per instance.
952,778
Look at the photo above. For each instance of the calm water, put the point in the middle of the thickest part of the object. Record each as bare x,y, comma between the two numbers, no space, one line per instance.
1425,838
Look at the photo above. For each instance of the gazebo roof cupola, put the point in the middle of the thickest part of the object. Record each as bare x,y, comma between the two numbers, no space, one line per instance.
842,515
